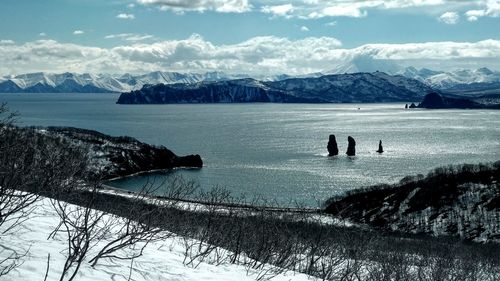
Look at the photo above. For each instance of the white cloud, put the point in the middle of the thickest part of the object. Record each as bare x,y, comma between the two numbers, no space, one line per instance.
473,15
180,6
125,16
7,42
78,32
491,9
259,55
314,9
129,36
42,34
120,35
278,10
332,23
131,5
449,18
304,28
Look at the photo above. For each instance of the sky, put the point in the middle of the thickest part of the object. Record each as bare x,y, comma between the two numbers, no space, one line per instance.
247,36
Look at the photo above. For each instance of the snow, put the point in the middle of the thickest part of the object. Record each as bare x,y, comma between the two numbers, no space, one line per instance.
114,83
443,80
161,260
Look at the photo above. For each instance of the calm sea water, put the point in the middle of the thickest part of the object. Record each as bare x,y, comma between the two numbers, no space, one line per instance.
278,151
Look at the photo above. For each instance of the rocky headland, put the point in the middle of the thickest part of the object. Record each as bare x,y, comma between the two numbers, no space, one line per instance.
110,157
342,88
461,201
437,101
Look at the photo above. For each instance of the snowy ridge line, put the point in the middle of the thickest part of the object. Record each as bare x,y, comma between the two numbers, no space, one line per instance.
43,82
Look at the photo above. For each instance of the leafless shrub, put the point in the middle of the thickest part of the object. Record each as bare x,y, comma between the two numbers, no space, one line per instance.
30,164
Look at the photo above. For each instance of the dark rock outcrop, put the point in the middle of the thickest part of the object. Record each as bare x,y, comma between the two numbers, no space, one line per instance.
332,146
436,101
192,161
351,148
112,157
413,105
380,148
432,100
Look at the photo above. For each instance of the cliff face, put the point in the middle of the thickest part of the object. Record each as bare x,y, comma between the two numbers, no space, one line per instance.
436,101
462,201
359,87
220,92
112,157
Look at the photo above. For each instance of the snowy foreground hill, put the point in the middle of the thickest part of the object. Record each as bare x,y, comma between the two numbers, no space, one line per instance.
161,260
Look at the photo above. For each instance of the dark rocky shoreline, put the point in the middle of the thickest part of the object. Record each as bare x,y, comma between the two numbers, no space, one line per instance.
460,201
437,101
112,157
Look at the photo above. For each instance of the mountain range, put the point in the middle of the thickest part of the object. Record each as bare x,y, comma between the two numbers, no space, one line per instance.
339,88
100,83
455,80
482,80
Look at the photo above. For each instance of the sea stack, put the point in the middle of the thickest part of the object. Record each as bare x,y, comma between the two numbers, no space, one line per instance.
351,148
332,146
380,149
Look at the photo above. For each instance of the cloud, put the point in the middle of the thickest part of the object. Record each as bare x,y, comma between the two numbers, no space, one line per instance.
180,6
6,42
278,10
78,32
263,55
473,15
314,9
125,16
449,18
131,5
331,23
491,9
129,36
42,34
304,28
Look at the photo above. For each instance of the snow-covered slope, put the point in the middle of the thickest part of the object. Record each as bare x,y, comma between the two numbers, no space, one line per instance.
452,79
455,79
161,260
87,83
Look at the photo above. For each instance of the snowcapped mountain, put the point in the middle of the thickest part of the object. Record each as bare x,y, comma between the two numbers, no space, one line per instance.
365,64
357,87
100,83
453,79
456,80
482,79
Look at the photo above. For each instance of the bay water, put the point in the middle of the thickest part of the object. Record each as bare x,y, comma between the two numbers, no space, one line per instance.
278,151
